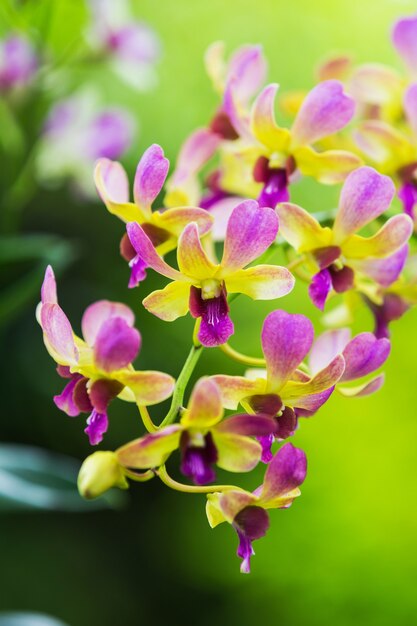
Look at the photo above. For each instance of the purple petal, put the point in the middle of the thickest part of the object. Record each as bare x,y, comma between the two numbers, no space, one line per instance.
65,400
366,194
109,134
247,68
319,288
342,279
286,471
97,425
308,405
18,62
392,308
102,392
266,442
58,333
136,43
100,312
325,110
407,193
48,289
248,425
410,105
137,271
150,176
81,397
364,354
216,326
275,189
404,38
197,461
286,340
250,523
146,249
385,271
326,347
250,231
117,345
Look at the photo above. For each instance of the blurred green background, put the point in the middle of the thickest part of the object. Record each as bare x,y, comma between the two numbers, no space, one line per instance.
346,552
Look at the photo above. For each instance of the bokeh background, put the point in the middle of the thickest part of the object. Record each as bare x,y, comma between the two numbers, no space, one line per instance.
346,552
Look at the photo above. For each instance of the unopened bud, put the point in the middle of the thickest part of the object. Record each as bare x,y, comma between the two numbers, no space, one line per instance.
99,472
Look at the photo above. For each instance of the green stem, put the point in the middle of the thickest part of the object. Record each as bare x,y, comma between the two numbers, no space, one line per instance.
240,357
181,384
174,484
139,477
146,419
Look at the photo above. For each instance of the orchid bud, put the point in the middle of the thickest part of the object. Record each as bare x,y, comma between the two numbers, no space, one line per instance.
99,472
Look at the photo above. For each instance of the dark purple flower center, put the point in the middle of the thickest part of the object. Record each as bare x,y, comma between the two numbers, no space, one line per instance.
331,275
392,308
197,460
285,418
275,181
216,326
250,523
136,263
221,125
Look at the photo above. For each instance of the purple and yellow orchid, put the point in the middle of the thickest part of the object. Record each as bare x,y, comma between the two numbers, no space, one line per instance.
203,437
269,158
340,259
162,227
247,512
284,391
201,285
99,367
393,151
363,355
18,63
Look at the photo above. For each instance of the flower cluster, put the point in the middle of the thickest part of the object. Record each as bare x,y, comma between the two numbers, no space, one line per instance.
355,128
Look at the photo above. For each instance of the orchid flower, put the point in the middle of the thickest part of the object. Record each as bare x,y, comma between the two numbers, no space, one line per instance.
99,367
394,152
404,39
283,391
272,154
18,63
363,355
132,47
247,512
78,131
203,437
162,227
236,81
339,258
201,286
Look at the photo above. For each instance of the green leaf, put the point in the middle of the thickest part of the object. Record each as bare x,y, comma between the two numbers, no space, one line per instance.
32,478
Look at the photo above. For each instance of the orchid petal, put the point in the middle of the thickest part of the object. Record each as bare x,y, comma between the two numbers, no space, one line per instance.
235,452
392,236
286,340
262,282
365,195
150,176
99,312
263,123
293,392
232,502
410,106
250,231
175,220
328,345
385,145
48,289
205,406
366,389
58,334
151,450
192,260
364,354
374,83
145,248
113,188
247,425
149,387
329,167
116,345
235,388
384,271
404,38
169,303
325,110
285,472
300,229
247,69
